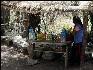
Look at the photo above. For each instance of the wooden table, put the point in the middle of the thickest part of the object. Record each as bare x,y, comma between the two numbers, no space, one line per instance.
33,43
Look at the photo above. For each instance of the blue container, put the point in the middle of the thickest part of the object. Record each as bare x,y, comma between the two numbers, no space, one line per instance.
63,34
31,30
63,30
33,33
60,35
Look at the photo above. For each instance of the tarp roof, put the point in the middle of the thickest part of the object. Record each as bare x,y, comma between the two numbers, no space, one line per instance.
47,6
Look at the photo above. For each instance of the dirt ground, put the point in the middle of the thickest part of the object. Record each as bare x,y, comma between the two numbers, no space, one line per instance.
11,60
46,65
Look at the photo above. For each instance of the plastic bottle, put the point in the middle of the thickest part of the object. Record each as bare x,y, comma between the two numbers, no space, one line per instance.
50,35
33,34
37,36
60,36
44,36
57,37
63,35
30,33
40,36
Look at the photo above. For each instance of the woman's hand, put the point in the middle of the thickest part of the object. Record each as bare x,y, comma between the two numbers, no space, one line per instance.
77,28
70,29
74,31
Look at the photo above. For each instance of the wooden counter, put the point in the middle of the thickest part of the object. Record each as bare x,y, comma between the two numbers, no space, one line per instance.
45,42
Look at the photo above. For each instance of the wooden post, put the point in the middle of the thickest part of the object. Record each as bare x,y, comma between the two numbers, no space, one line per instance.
38,28
91,19
26,24
85,23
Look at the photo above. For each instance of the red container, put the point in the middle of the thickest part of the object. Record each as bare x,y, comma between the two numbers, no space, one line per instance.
44,36
57,37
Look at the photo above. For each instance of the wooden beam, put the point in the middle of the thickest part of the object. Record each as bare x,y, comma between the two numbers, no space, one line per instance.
63,9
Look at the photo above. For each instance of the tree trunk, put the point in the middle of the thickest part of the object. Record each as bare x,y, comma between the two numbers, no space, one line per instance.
85,23
26,25
5,17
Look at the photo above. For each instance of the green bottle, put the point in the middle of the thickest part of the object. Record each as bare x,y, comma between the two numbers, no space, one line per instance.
37,36
50,35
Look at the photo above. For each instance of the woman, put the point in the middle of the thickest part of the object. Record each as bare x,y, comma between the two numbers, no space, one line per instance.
78,38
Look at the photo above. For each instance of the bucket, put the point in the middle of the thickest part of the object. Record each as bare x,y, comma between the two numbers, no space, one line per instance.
48,55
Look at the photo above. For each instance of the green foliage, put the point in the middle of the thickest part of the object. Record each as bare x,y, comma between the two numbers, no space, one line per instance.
89,26
6,24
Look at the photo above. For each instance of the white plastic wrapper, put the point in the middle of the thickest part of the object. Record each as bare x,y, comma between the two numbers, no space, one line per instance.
20,41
